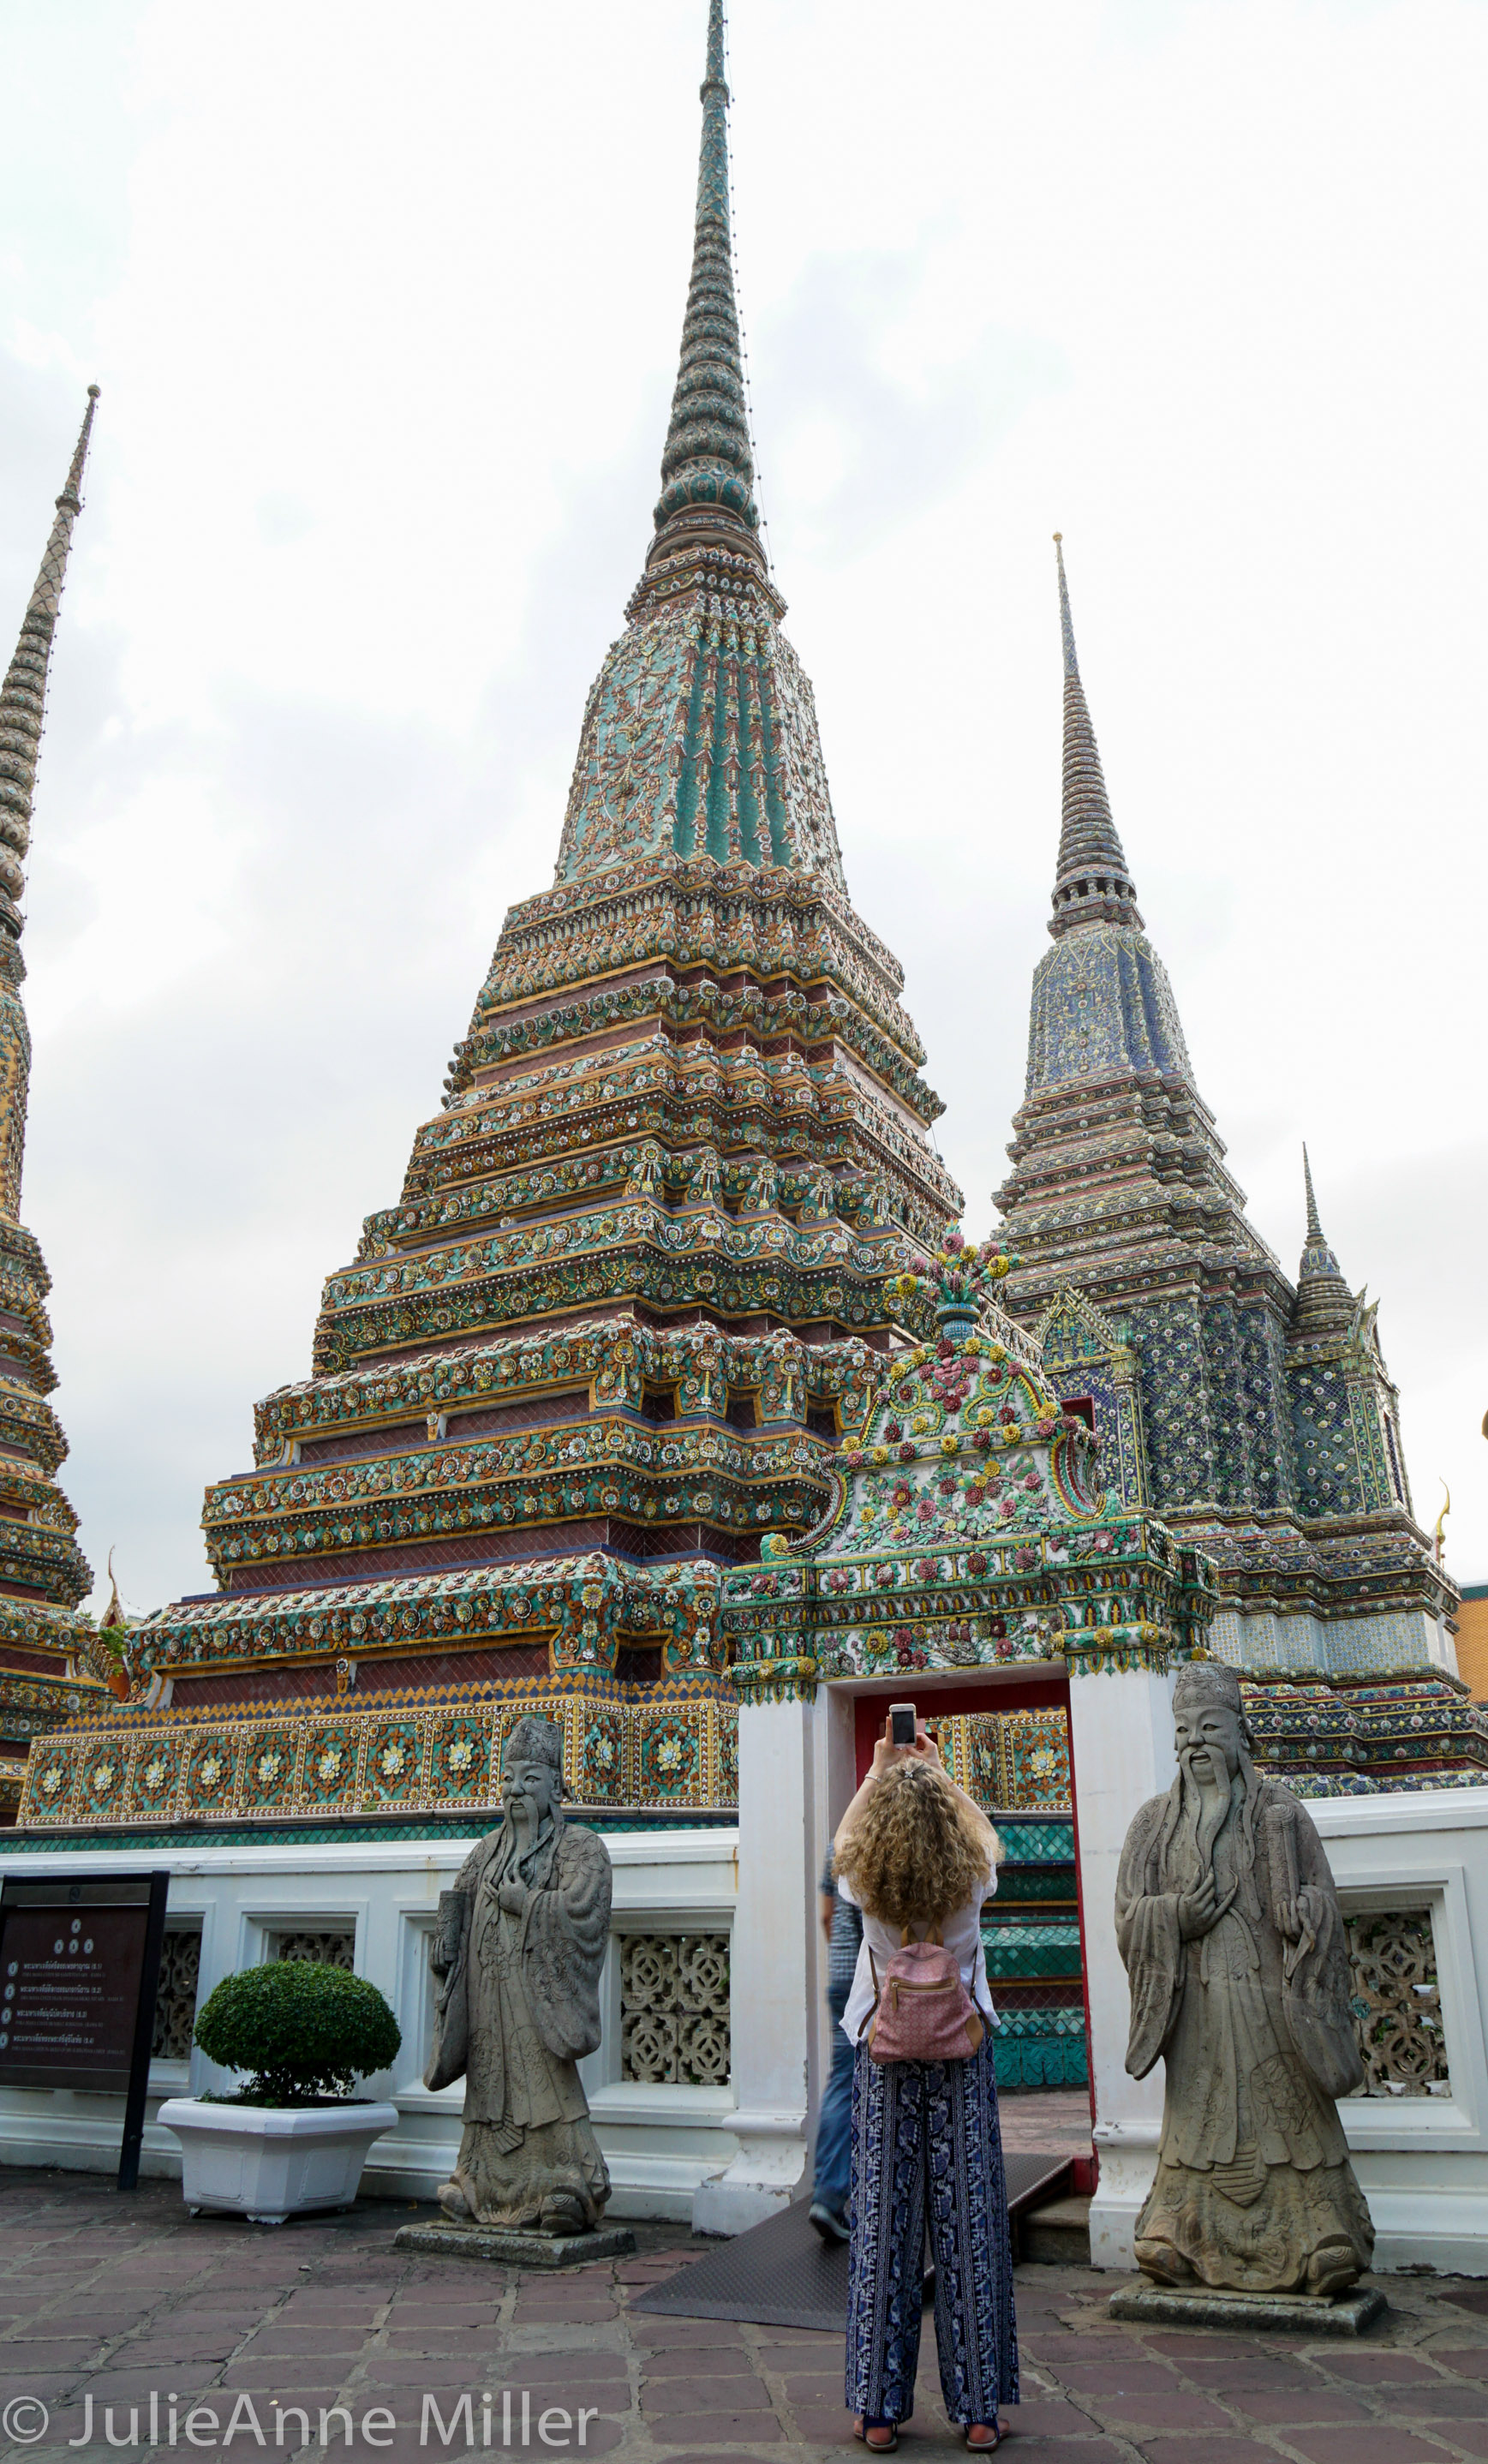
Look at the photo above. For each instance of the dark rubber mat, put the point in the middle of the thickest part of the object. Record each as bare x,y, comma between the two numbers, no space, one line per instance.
782,2273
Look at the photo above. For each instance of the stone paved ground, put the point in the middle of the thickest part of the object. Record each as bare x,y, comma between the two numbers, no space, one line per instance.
119,2297
1048,2121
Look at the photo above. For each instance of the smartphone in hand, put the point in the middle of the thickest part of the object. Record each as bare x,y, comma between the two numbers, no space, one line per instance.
902,1724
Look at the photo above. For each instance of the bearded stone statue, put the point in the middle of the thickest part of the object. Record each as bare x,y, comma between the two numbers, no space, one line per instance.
1229,1924
517,1952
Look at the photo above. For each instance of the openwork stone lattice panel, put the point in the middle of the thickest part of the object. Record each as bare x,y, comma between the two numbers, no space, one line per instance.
327,1949
175,1995
675,2009
1397,2003
679,1748
1010,1761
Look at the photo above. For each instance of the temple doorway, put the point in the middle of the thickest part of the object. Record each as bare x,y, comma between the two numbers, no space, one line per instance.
1007,1744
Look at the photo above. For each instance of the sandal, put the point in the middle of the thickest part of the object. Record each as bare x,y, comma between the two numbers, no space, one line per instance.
876,2444
984,2445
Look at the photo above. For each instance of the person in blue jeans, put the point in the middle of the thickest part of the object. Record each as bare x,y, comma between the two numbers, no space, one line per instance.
843,1925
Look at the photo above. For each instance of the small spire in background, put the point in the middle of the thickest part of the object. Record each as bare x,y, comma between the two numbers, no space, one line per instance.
1325,1304
1314,1227
1091,885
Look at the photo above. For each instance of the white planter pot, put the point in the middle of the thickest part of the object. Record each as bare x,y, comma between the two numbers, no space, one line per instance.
265,2163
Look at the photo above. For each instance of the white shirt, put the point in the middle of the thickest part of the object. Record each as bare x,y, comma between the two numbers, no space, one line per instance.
961,1932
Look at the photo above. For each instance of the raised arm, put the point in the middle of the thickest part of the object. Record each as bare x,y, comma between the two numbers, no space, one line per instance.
886,1753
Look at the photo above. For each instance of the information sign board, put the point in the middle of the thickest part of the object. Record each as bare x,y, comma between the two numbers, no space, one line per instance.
79,1963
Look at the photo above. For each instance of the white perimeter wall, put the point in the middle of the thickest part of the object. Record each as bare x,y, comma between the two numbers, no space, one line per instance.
659,2143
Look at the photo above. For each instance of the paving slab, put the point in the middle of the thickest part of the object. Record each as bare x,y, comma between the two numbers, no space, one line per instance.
335,2315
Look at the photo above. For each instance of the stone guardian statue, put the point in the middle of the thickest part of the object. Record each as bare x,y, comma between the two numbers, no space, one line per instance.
1229,1924
517,1953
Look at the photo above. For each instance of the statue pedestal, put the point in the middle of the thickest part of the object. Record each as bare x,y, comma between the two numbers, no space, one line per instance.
512,2249
1209,2306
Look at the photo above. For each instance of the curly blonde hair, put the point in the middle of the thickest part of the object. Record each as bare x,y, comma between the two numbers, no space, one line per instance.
917,1849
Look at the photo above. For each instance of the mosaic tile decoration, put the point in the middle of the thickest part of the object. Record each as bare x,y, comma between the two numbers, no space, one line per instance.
967,1529
443,1756
582,1609
1342,1738
1012,1762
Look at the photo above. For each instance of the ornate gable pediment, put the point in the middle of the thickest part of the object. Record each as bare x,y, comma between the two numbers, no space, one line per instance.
1073,1328
969,1527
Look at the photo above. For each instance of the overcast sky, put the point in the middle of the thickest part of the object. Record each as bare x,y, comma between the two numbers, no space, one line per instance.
384,304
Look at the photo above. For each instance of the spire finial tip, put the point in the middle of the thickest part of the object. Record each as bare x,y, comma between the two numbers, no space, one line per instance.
1314,1227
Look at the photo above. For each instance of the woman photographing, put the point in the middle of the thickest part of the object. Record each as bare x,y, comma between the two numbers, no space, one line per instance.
918,1856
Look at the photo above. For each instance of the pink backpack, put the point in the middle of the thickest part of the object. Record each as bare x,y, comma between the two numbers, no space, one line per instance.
925,2013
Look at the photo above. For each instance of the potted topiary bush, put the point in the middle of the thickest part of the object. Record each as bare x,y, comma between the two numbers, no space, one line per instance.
292,2138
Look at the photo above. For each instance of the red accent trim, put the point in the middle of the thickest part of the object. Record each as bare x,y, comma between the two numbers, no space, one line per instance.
1084,1978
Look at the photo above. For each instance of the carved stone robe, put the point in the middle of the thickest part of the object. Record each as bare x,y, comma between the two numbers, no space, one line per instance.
1254,2186
517,2008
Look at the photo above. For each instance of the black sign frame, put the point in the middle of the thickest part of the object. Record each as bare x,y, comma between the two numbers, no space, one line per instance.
72,1896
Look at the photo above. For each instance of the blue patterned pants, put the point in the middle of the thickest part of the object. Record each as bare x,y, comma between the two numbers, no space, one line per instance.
926,2148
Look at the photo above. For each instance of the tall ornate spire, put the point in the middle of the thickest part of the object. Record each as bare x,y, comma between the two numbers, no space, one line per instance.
1092,884
707,471
700,740
22,707
1324,1304
42,1573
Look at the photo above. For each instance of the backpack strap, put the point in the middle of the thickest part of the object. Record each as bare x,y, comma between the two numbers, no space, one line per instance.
878,1993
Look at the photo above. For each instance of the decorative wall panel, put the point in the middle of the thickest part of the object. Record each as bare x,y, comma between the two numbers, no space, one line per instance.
674,2008
1397,2003
175,1995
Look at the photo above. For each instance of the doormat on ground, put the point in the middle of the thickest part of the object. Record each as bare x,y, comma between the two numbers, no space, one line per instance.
782,2273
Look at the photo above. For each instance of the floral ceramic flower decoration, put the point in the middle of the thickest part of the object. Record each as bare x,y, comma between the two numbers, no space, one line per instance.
958,1279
